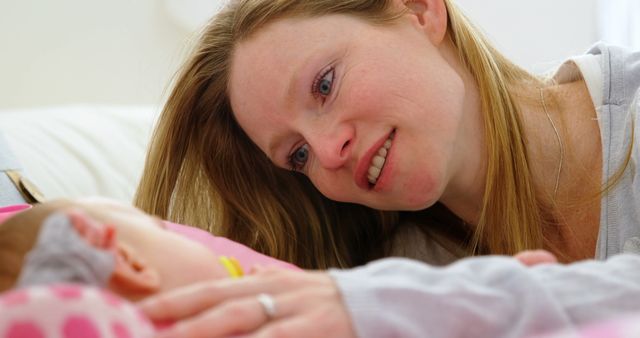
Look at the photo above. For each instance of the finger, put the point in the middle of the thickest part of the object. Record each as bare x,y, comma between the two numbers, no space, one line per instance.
110,242
229,318
87,227
256,269
78,224
244,315
294,327
535,257
326,321
183,302
190,300
285,305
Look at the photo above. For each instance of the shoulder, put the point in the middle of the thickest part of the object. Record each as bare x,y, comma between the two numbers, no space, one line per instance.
410,241
621,73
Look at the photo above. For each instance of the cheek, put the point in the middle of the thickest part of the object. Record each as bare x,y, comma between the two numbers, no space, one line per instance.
448,92
363,91
205,268
421,173
189,271
390,96
330,185
186,265
336,186
361,94
421,191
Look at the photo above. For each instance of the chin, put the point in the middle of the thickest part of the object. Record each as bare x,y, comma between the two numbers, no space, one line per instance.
420,194
419,203
407,202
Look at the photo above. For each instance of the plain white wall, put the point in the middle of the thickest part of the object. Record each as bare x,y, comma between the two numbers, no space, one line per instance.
537,34
125,52
86,51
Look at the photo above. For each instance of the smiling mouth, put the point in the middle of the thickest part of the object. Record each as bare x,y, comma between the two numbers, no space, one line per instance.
378,161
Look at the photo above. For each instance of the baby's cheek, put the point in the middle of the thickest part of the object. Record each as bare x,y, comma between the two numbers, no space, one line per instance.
208,266
218,271
198,267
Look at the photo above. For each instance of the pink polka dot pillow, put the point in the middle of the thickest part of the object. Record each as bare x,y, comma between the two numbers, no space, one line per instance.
69,311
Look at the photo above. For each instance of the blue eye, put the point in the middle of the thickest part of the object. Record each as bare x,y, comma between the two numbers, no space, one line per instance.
299,158
323,85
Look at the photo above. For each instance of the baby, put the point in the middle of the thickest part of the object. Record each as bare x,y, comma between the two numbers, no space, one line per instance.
112,247
127,251
61,263
143,254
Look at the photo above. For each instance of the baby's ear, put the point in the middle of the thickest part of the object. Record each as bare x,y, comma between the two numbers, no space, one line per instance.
132,275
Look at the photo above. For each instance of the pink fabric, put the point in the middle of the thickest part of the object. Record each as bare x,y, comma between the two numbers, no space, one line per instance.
225,247
69,311
8,211
80,311
626,326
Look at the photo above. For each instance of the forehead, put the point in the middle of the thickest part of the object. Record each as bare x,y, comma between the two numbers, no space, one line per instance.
264,64
280,48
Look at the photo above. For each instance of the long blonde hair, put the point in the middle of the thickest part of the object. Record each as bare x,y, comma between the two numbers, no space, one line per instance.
203,170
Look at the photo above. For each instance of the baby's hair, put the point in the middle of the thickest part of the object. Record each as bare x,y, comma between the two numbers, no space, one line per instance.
18,235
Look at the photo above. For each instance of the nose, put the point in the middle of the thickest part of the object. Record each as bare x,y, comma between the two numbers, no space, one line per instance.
332,148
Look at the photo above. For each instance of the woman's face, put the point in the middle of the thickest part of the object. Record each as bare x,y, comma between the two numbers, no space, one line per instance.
323,95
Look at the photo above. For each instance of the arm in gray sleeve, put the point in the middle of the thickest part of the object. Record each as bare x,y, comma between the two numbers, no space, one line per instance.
485,296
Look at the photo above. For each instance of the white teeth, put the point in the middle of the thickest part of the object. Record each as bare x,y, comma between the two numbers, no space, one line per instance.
374,172
378,161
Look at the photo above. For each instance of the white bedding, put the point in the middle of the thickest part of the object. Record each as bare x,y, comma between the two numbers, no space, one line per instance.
81,150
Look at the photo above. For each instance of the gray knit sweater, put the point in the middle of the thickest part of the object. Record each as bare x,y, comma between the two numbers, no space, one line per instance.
498,297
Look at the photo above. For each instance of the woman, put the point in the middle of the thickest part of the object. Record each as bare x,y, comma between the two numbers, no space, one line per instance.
397,119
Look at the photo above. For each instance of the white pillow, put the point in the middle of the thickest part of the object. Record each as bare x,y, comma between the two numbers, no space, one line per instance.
81,151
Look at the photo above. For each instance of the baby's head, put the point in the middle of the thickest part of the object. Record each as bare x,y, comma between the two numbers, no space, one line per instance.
148,258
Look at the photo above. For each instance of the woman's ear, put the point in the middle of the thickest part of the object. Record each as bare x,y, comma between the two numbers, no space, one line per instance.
132,275
431,15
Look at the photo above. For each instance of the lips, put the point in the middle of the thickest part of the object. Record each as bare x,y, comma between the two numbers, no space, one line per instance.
363,176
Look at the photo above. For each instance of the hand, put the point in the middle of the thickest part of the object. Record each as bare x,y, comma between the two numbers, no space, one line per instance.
98,235
535,257
307,304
